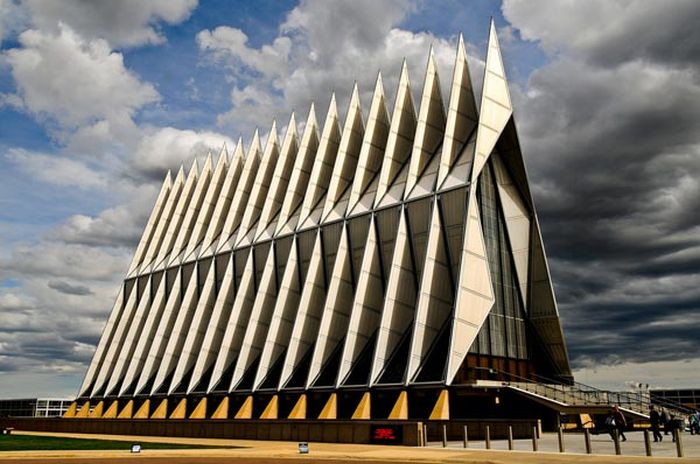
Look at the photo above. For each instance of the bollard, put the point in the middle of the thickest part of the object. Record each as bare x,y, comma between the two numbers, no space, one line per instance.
587,440
425,434
444,435
560,435
510,437
534,439
647,443
488,437
616,441
679,443
466,438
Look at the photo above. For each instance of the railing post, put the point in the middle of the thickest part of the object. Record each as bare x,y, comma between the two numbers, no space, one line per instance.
444,435
587,440
616,440
560,435
488,437
425,434
466,437
679,442
510,437
647,443
534,439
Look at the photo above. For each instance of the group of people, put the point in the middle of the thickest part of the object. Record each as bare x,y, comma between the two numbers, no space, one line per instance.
663,419
659,419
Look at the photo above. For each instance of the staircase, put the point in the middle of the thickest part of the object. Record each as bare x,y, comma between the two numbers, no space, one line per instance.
582,398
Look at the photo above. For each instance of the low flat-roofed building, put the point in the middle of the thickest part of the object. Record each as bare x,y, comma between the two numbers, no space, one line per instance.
688,397
34,407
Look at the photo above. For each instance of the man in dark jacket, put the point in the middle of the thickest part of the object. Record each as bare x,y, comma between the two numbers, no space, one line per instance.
620,422
655,419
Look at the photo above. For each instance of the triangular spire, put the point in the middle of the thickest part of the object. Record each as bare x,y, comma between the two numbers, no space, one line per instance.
299,182
151,225
173,230
346,162
164,222
193,209
373,145
431,124
323,164
206,210
258,193
280,181
496,108
242,192
223,201
462,115
401,133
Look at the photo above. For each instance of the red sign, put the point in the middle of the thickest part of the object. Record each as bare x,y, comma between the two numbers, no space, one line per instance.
386,434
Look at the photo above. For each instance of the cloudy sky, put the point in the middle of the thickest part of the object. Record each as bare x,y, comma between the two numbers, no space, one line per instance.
99,99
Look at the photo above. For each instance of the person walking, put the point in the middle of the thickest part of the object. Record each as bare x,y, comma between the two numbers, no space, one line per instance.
665,421
620,422
655,420
694,424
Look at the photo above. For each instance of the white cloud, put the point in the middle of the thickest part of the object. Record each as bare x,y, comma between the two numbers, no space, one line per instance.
321,47
13,18
122,23
610,31
57,170
166,148
75,81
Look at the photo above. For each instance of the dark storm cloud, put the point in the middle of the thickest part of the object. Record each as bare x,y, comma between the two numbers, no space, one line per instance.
611,134
65,287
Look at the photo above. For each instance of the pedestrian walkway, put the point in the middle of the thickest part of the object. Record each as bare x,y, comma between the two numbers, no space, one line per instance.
600,444
264,452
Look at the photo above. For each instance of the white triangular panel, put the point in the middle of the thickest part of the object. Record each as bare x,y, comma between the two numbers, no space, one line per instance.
434,297
178,332
258,194
151,225
336,311
164,222
167,320
299,182
237,323
117,340
367,305
475,296
346,162
103,345
258,322
399,304
173,230
517,220
496,108
223,202
308,318
215,326
373,145
282,319
207,209
146,338
400,140
242,193
133,332
462,115
323,165
193,209
431,125
280,181
192,325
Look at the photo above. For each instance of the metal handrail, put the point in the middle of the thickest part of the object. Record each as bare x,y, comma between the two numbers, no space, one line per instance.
587,394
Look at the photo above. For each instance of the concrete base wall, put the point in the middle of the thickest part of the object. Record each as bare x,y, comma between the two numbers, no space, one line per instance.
283,430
